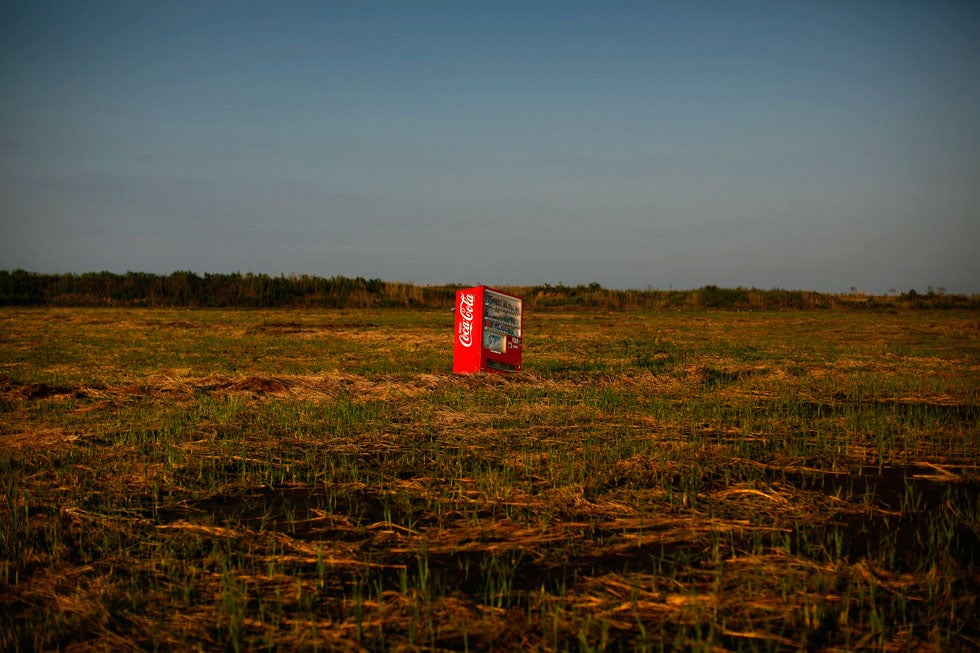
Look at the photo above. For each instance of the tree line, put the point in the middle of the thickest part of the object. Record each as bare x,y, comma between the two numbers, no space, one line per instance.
248,290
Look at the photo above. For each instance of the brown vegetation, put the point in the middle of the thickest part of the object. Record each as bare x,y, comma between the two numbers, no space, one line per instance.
318,479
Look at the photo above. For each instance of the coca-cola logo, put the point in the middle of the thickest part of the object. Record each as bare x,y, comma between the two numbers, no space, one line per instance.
466,301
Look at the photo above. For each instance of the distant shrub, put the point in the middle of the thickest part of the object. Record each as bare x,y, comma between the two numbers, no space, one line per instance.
237,290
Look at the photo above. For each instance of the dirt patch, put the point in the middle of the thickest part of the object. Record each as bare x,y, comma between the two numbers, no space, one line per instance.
42,390
260,385
313,387
38,440
907,505
298,328
172,324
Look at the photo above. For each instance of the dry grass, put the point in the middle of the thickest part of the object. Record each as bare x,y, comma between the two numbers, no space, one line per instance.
288,480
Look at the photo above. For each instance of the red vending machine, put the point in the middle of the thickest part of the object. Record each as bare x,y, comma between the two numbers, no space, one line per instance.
488,331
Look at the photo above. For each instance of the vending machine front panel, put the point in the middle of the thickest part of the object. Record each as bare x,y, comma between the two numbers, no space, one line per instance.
502,315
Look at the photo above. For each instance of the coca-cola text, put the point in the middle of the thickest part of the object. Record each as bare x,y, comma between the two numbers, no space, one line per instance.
466,301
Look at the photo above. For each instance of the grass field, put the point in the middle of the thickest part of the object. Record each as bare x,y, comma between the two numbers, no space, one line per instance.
318,480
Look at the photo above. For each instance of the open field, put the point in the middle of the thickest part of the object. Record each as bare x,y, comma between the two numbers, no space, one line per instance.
242,480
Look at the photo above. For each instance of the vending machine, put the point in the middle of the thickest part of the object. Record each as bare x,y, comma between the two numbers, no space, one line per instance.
488,331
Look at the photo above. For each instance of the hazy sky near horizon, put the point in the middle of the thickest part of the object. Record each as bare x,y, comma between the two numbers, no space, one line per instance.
804,145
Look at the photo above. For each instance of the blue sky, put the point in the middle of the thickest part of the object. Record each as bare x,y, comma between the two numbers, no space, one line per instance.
805,145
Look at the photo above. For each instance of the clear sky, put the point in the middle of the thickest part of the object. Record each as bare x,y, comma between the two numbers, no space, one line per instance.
806,145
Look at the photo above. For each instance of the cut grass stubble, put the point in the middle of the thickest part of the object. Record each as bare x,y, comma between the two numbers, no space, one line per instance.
651,481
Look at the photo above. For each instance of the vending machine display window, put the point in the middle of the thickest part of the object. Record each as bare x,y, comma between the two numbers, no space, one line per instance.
487,331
